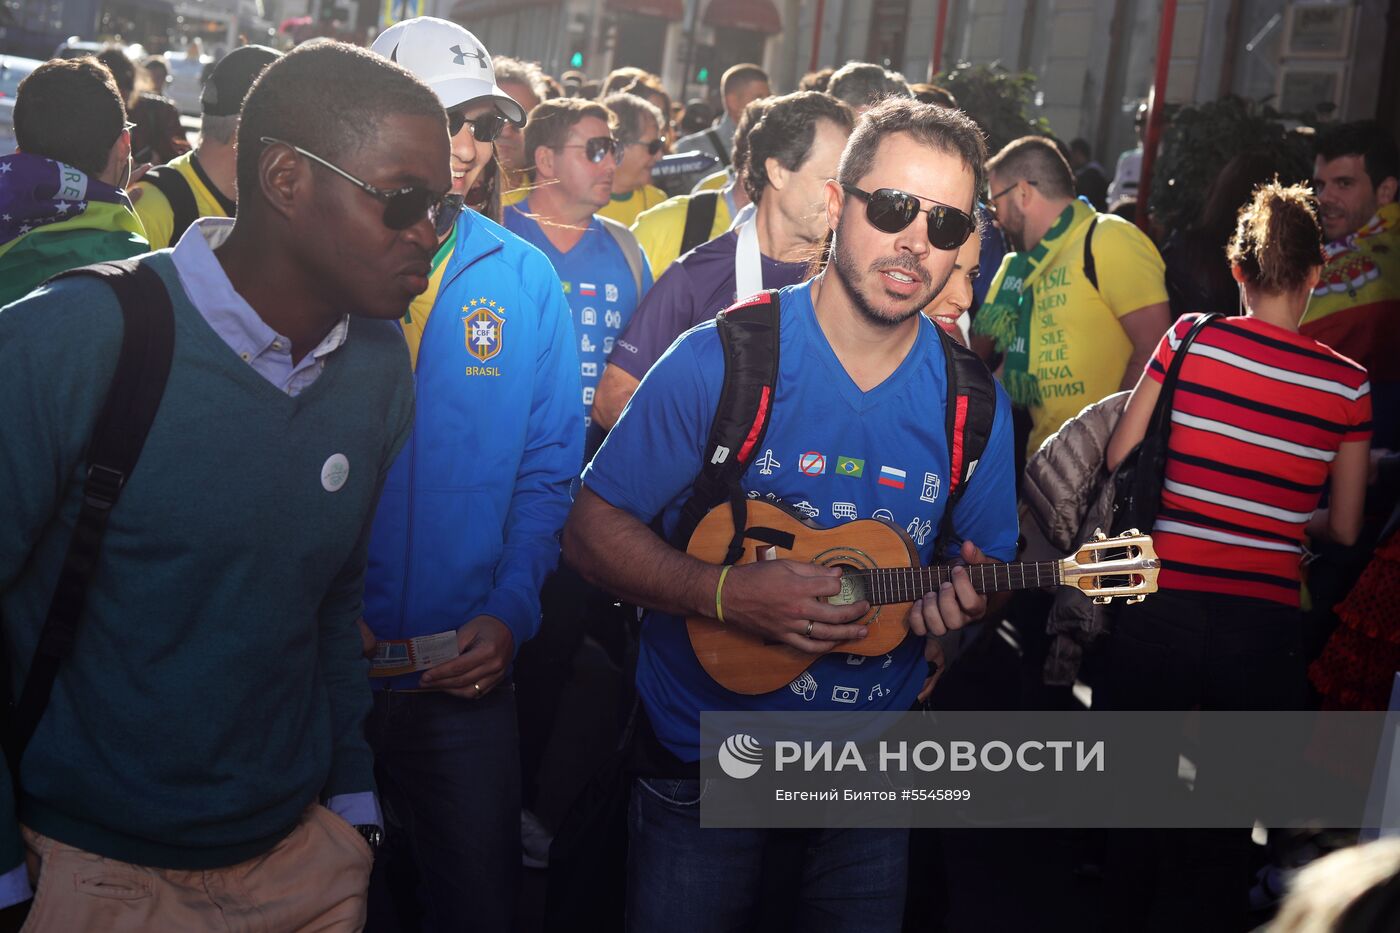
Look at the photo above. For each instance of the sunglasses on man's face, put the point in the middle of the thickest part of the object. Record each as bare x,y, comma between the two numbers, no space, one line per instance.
891,210
403,207
485,128
597,148
653,147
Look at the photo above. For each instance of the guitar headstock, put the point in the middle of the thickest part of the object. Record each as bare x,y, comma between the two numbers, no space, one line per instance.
1105,567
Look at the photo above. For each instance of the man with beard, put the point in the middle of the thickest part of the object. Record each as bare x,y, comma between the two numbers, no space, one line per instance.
860,369
1069,340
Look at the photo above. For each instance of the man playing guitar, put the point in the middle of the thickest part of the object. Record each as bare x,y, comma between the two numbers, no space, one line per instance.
856,431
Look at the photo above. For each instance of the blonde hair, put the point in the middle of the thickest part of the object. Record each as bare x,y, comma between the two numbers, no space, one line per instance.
1277,240
1326,890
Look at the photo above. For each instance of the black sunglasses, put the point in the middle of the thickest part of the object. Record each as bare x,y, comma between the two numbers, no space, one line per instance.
597,148
485,128
403,207
891,210
654,147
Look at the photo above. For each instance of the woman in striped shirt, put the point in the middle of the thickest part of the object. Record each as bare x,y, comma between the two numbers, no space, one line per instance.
1262,421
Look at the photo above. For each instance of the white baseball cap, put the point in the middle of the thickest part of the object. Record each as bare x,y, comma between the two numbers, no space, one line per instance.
450,60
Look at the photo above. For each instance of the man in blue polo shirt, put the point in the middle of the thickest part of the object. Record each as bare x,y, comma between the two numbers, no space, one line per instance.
574,155
855,431
793,148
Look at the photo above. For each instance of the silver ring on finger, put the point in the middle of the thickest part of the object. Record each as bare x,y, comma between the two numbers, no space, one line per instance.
478,689
808,633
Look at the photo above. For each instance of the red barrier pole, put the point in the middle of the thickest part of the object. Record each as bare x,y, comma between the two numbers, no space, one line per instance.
817,36
1153,135
938,36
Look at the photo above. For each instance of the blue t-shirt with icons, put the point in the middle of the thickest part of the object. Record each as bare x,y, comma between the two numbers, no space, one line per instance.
833,453
599,286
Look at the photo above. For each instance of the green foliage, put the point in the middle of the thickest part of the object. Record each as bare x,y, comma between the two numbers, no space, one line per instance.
1200,139
999,100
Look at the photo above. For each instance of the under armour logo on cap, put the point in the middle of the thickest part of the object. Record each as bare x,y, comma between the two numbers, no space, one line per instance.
460,57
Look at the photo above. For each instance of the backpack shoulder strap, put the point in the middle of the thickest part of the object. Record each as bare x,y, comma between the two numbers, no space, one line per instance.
699,220
177,191
721,150
133,397
631,250
1091,271
972,407
748,333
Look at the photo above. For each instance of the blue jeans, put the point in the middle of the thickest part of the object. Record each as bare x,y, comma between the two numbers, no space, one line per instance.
691,880
449,778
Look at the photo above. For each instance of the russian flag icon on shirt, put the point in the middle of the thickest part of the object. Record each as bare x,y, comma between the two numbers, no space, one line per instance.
889,476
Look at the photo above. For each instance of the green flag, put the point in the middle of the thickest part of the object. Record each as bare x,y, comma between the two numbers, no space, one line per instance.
849,466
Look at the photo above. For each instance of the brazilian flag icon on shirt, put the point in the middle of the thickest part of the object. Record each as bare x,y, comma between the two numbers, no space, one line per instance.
849,466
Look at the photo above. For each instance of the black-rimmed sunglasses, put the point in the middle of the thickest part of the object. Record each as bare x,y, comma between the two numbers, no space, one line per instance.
597,148
891,210
653,147
485,128
403,207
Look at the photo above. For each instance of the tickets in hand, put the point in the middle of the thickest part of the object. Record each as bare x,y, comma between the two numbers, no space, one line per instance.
407,655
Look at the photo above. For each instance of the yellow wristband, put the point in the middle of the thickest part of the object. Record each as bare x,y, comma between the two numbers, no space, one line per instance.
719,588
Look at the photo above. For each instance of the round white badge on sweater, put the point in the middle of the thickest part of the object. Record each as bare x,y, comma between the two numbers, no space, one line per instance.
335,472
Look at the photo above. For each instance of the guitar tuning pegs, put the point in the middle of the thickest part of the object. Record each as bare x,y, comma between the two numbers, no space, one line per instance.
1135,599
1103,600
1130,533
1099,535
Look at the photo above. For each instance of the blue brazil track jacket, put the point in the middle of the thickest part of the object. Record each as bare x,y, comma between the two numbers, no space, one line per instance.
469,520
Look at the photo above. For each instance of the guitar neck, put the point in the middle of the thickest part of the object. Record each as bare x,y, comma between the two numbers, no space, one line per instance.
888,585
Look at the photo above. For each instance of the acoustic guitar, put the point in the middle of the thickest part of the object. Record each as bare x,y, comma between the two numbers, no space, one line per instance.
880,564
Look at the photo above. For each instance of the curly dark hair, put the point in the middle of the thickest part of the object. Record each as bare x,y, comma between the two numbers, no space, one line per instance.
1365,138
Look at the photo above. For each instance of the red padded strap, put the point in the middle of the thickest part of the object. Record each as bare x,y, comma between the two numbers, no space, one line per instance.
959,429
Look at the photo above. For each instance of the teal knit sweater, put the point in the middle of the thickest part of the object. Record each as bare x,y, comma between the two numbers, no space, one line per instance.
217,686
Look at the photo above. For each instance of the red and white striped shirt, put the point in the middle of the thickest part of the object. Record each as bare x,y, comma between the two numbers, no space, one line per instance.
1257,418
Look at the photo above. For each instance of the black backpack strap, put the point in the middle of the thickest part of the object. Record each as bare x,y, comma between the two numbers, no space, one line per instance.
748,332
1091,272
721,150
699,220
133,397
972,407
177,191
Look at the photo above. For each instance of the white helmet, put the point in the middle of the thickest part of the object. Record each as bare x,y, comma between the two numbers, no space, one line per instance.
449,60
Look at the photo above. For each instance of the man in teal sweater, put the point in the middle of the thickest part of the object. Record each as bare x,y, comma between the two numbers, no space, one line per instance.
202,762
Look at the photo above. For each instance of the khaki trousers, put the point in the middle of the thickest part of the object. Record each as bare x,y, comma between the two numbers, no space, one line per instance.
316,879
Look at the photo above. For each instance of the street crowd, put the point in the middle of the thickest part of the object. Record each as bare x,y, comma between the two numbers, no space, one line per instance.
377,415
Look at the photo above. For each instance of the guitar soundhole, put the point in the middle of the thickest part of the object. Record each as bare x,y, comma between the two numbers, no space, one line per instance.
852,587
